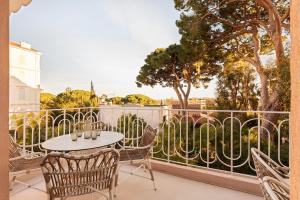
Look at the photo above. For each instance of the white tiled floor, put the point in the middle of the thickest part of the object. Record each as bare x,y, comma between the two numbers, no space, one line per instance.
135,188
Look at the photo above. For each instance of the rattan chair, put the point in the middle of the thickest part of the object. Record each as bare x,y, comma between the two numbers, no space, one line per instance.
22,162
265,166
275,190
140,155
67,175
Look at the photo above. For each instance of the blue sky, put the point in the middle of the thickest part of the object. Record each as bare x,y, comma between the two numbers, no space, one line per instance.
105,41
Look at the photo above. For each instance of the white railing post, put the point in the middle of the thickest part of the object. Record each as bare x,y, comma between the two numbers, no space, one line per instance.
259,131
231,141
186,138
172,147
64,130
24,133
168,155
207,141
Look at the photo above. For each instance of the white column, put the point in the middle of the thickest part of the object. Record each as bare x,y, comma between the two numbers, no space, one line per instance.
295,104
4,84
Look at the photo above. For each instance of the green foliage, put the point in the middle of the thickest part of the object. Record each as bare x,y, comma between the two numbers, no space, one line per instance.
116,100
138,99
236,87
132,126
242,30
47,100
69,99
182,140
176,67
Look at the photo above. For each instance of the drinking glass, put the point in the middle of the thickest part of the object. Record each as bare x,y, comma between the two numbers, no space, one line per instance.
79,133
74,136
87,134
98,132
94,134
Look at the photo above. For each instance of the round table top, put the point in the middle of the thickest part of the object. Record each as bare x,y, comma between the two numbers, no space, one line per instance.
65,143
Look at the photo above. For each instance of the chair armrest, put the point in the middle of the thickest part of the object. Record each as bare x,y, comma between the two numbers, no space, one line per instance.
27,156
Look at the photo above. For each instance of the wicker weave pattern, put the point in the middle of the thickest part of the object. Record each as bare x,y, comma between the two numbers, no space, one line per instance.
21,160
275,190
265,166
145,145
67,175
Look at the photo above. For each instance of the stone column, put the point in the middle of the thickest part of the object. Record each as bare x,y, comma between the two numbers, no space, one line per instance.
295,104
4,84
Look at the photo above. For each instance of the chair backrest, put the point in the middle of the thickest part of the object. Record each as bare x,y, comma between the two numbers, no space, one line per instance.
14,150
66,175
148,136
265,166
275,190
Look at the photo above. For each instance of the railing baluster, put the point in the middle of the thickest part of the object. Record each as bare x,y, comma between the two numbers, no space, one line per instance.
170,143
207,141
169,139
24,133
64,125
186,138
231,142
259,131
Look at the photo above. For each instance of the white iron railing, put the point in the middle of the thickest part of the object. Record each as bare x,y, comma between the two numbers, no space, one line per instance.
216,139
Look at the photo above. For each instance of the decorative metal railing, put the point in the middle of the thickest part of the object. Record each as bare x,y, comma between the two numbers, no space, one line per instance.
215,139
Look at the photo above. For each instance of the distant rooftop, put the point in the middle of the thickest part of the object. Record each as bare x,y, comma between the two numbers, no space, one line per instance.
23,45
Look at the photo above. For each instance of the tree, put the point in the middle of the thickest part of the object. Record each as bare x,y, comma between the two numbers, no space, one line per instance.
73,99
116,100
47,101
236,87
248,30
93,96
176,67
138,99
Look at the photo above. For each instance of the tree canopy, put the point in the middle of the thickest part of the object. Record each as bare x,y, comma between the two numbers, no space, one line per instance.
176,67
47,100
138,99
243,30
68,99
237,88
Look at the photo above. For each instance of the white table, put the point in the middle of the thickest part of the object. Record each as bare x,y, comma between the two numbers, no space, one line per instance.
64,143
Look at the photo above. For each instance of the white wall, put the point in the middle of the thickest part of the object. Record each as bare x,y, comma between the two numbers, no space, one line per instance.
152,115
24,84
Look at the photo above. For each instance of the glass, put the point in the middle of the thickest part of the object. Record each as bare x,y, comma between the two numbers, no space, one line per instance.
87,134
94,134
79,133
74,136
87,130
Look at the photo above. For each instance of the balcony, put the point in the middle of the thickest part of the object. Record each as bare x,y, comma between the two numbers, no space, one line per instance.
198,153
136,188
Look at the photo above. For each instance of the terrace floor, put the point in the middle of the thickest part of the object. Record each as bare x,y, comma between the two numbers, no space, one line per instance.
136,188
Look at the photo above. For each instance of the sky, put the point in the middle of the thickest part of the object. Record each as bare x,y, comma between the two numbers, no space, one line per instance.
104,41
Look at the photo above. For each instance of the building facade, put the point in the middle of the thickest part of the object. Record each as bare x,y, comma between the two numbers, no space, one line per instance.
24,69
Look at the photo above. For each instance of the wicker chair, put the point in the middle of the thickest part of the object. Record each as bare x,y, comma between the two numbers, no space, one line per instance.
140,154
275,190
22,162
67,176
265,166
